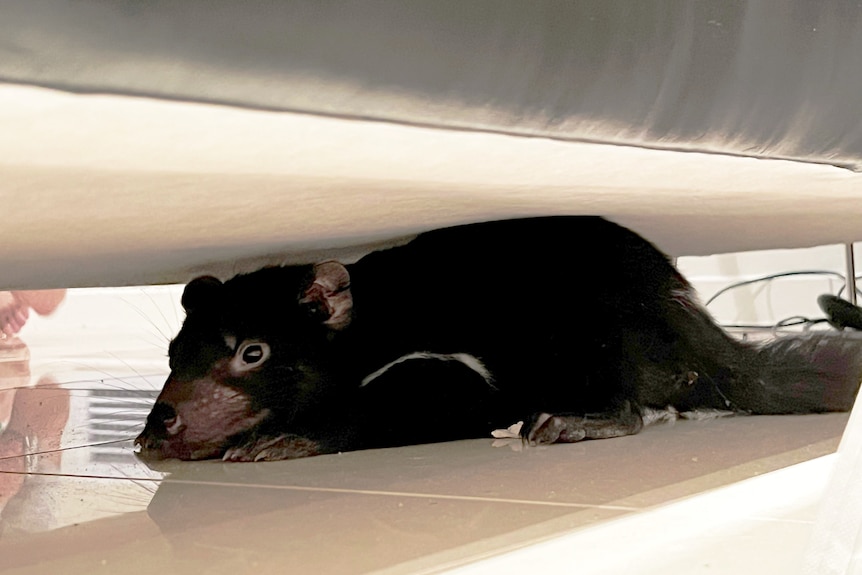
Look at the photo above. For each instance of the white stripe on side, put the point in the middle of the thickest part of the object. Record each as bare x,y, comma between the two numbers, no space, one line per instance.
465,358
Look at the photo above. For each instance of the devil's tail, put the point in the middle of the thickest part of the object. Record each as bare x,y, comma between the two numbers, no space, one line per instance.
799,374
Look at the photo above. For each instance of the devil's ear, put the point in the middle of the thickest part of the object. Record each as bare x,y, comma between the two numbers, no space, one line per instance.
200,292
328,296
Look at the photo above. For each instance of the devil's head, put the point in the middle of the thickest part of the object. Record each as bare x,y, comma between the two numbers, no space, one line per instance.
253,351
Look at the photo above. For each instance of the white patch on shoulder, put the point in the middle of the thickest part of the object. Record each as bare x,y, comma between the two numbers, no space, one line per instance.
473,363
470,361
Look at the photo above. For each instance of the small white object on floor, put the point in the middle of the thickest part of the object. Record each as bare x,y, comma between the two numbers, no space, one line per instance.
511,436
511,432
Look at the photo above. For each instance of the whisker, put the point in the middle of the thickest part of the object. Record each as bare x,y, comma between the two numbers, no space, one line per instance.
132,423
155,339
126,363
145,316
173,307
65,448
109,377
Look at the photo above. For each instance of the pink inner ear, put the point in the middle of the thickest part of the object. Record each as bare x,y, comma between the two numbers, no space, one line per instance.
331,291
332,276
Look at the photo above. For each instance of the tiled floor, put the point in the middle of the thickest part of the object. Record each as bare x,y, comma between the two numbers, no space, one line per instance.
76,499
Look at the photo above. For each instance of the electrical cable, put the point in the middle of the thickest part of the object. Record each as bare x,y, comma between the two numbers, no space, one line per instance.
787,322
776,276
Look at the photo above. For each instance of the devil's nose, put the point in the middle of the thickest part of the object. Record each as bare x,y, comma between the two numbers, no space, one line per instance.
165,419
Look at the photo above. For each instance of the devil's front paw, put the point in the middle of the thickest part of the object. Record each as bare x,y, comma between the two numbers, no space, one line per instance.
544,428
272,448
569,428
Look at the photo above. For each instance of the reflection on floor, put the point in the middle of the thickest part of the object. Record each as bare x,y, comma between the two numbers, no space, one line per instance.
76,499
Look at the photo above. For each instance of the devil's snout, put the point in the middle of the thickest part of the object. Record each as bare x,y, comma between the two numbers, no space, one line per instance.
163,422
164,418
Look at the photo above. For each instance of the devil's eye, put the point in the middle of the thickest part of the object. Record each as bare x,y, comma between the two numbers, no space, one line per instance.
250,355
253,353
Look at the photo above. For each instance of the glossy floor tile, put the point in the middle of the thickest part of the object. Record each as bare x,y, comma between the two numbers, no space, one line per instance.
75,498
632,472
749,526
229,529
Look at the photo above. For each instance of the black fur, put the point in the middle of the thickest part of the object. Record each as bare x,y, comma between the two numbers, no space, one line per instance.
580,323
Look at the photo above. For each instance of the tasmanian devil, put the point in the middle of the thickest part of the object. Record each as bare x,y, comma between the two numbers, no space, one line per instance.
574,325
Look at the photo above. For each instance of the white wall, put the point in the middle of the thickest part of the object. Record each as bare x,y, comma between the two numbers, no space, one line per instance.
106,333
767,302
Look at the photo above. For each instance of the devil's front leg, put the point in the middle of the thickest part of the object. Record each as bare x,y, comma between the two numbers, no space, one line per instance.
272,448
324,432
593,385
